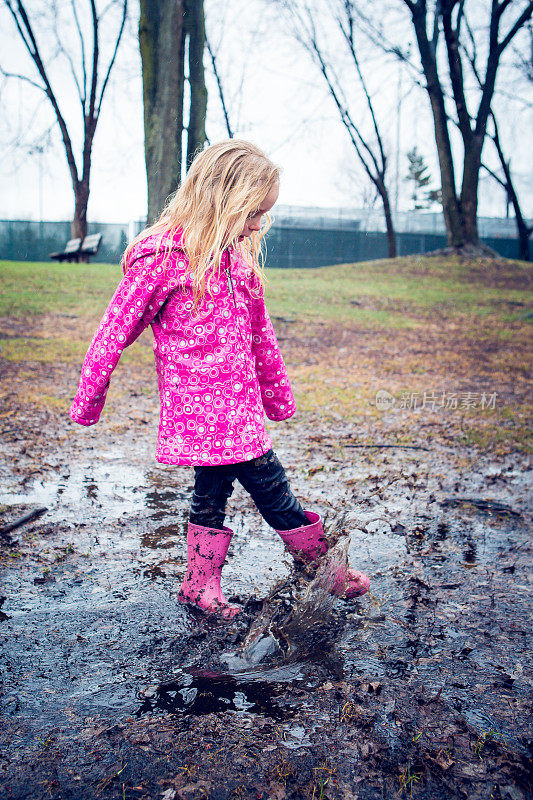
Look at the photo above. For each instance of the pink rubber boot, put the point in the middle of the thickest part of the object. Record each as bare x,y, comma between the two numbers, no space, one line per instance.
206,552
308,542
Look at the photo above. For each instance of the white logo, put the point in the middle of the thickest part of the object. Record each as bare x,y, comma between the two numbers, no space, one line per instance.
384,400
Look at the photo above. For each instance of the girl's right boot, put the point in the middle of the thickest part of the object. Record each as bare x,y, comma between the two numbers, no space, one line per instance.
308,542
206,552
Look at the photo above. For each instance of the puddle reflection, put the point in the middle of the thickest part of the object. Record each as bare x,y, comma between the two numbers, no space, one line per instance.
207,693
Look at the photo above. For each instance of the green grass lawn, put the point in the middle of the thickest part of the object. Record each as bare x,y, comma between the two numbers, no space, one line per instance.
393,294
409,325
29,287
380,294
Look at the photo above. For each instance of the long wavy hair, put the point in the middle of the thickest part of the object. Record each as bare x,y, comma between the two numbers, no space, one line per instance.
225,184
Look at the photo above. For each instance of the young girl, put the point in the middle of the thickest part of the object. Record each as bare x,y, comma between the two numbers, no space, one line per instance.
196,276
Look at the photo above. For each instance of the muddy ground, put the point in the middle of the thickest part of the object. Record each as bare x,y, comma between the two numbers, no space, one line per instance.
112,689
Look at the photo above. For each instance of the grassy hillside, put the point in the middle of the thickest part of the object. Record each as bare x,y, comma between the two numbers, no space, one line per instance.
381,293
437,334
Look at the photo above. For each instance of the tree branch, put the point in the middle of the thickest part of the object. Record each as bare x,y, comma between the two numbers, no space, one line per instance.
82,45
456,70
106,9
502,6
524,230
311,44
219,85
26,32
377,36
493,175
522,19
459,19
61,49
349,38
436,29
90,115
110,67
473,56
22,78
487,87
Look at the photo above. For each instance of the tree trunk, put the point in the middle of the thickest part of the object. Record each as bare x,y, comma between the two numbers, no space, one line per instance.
78,226
391,234
524,232
82,187
450,204
469,190
161,42
195,26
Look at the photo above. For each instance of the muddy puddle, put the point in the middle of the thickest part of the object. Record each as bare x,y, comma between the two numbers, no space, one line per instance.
208,692
420,688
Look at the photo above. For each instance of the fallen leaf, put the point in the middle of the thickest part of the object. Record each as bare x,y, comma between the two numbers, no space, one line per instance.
276,791
444,761
194,791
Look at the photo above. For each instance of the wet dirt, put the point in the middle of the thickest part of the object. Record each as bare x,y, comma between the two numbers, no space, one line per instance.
113,689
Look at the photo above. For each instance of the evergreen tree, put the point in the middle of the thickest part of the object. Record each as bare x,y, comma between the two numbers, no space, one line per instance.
420,177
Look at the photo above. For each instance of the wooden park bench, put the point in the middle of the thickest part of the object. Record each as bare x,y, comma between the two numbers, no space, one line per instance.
78,250
70,253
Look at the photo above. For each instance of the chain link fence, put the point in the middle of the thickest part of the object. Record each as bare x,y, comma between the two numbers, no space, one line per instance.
299,237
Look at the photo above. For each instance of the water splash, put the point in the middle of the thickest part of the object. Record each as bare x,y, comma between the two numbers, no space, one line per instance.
298,621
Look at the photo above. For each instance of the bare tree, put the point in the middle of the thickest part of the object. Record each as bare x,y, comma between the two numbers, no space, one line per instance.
167,28
369,144
89,80
524,230
447,17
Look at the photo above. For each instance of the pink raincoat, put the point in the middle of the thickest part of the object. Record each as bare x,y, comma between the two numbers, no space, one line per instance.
219,370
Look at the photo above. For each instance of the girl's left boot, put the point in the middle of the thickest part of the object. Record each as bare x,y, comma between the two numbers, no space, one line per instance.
206,553
308,542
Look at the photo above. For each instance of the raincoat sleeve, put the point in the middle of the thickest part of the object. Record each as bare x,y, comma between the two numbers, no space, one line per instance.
276,392
138,298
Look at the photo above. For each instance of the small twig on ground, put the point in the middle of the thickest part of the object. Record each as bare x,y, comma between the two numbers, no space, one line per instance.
484,505
380,446
435,697
37,512
317,439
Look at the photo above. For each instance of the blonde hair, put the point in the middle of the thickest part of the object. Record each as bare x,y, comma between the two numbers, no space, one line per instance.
225,184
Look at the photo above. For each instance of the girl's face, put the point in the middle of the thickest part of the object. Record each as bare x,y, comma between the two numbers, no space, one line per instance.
253,222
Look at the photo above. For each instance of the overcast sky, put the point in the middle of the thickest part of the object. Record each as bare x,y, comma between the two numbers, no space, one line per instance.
281,105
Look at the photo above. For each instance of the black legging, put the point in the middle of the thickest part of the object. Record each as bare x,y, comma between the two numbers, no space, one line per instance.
265,481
